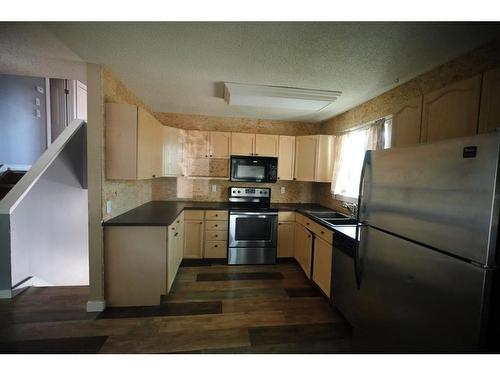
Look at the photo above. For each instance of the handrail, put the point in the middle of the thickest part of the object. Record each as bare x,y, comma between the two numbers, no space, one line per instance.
26,183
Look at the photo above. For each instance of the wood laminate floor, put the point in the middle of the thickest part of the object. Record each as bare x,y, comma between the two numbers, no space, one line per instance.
212,308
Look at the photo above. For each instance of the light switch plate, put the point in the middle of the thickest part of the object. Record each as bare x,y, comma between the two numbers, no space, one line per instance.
109,207
283,190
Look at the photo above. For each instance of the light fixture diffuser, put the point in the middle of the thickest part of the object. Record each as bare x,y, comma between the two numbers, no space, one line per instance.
278,97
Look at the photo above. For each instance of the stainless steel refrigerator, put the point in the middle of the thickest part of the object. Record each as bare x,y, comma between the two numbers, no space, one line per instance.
427,255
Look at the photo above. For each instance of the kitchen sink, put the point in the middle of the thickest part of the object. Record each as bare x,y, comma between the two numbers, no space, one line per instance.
345,221
328,215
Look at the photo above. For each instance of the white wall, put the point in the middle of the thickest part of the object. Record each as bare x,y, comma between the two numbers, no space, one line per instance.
30,49
49,228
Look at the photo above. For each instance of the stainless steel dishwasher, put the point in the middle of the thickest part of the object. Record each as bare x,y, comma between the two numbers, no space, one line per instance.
343,275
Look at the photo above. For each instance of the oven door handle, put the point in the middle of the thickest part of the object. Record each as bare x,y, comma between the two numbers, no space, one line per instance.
260,214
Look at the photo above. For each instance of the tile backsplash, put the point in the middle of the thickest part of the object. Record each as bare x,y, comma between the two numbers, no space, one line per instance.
182,188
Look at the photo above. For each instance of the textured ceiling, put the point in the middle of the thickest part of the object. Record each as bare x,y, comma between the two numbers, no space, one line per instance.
179,67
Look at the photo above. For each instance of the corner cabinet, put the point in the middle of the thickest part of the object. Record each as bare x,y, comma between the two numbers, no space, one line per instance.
451,111
133,143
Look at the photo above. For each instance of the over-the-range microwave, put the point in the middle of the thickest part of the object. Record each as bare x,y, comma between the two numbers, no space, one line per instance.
254,169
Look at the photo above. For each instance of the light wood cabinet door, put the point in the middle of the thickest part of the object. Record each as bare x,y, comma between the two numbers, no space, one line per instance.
489,112
196,144
193,239
172,254
266,145
303,248
242,144
172,151
220,143
451,111
286,157
305,157
121,141
286,236
322,267
406,122
149,145
324,158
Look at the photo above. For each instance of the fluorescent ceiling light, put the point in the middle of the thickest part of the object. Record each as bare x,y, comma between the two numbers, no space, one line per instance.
278,97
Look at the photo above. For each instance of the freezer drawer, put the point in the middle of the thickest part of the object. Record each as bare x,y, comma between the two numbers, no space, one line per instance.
414,299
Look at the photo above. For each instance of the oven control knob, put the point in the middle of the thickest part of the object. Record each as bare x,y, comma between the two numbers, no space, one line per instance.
239,191
262,192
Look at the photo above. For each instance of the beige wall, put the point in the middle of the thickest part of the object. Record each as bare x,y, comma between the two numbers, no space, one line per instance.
466,66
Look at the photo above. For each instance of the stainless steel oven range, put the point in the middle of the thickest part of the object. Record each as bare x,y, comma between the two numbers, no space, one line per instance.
253,226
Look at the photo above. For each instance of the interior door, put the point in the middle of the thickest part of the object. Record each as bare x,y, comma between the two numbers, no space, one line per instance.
414,299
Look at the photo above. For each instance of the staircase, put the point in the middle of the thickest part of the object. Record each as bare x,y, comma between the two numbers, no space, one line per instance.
8,179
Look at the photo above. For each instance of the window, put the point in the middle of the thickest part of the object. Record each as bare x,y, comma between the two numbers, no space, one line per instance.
350,150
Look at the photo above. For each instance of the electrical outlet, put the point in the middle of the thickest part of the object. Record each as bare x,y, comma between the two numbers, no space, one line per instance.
214,188
37,113
109,207
37,102
283,190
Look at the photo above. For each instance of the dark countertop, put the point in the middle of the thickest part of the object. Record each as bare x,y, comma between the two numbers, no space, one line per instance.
163,213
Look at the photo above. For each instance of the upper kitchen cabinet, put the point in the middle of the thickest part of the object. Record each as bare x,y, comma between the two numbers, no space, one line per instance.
196,144
489,113
314,158
219,144
173,140
254,144
242,143
451,111
406,122
286,157
134,143
266,145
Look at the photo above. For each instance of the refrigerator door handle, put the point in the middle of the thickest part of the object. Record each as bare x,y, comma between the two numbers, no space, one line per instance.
357,273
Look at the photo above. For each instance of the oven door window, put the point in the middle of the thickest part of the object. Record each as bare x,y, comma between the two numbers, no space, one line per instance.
253,229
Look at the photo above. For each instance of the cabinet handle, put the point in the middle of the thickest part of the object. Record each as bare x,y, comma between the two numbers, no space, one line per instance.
216,235
308,236
216,245
307,223
322,232
201,222
256,154
173,228
216,225
175,235
211,155
178,221
206,156
216,215
154,176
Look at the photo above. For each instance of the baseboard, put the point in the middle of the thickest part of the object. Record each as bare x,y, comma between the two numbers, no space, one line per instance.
96,306
5,293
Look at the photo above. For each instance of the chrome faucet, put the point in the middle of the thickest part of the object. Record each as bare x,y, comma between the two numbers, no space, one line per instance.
352,208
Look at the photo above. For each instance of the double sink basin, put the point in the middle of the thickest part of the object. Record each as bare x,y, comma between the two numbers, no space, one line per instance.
333,217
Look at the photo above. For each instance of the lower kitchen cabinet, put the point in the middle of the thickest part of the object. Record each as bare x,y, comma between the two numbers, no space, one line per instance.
193,237
175,249
216,249
216,226
135,265
303,248
322,265
286,236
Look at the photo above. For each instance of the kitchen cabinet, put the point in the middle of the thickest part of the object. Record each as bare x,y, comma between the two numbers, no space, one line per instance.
242,143
219,144
489,112
266,145
303,248
135,268
406,121
314,158
286,157
133,141
206,167
216,227
451,111
196,144
194,230
286,236
254,144
322,265
173,140
175,233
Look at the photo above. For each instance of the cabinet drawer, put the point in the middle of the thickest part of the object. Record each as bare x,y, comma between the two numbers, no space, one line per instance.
286,216
216,235
216,225
215,215
322,232
216,249
193,215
